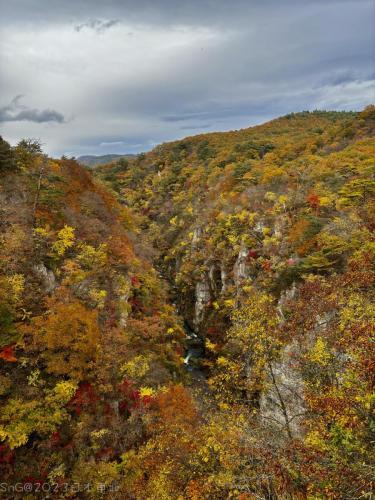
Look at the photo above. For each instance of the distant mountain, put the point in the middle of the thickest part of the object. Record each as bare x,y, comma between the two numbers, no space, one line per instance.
93,160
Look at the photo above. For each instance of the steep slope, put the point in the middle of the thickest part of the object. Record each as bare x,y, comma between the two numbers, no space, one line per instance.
83,322
269,204
266,236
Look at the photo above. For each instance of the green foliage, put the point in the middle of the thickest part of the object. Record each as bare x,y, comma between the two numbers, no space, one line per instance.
27,152
204,151
6,156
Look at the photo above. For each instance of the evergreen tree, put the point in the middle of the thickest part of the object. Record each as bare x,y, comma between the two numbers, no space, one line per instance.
6,155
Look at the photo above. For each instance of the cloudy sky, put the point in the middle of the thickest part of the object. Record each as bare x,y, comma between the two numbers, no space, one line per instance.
95,76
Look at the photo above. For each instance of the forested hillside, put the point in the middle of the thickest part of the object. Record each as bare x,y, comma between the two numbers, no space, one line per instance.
84,319
194,323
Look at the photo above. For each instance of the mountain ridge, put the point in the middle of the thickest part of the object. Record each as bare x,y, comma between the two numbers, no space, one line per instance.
194,322
95,160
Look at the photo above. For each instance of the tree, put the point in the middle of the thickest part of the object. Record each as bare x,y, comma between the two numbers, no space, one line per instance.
19,419
251,345
26,152
6,156
67,338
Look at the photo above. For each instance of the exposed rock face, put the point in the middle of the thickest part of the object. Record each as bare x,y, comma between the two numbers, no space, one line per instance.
279,226
123,307
197,234
123,293
82,288
202,297
240,271
46,276
218,278
259,226
322,320
224,278
283,404
285,297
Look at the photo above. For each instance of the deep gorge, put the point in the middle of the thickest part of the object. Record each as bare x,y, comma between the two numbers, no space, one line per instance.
193,322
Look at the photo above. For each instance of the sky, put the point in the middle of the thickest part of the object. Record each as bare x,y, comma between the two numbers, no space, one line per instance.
120,76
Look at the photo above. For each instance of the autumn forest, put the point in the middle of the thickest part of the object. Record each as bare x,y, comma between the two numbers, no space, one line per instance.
195,322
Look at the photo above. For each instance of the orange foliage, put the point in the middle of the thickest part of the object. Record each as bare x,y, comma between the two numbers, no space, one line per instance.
7,354
120,250
67,337
176,408
313,200
296,237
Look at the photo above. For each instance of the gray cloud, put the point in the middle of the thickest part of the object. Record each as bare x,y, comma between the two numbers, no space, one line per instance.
160,12
16,112
189,66
186,116
197,126
97,25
